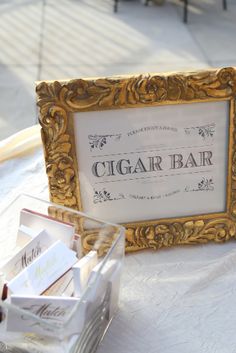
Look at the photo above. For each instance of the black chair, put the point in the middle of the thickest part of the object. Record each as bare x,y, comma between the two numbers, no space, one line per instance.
185,16
116,5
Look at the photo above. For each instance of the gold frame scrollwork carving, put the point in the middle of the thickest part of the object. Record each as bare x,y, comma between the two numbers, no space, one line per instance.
57,102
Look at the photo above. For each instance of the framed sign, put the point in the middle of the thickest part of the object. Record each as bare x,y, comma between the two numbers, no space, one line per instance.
153,152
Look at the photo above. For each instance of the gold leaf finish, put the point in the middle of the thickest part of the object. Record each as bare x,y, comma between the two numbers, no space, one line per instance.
177,233
58,101
60,164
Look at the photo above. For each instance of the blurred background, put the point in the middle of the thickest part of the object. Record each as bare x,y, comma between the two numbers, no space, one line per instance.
60,39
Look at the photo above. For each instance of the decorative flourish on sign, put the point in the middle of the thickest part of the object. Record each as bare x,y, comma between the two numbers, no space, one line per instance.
206,184
205,131
98,141
101,196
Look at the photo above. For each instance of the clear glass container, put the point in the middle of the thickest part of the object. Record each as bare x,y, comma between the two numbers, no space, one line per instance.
89,319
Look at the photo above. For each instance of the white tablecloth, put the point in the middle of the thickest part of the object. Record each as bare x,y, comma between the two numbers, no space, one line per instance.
177,300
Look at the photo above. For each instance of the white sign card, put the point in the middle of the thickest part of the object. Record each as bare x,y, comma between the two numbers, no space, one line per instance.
153,162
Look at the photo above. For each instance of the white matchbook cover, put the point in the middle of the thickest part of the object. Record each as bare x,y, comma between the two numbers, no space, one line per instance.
44,271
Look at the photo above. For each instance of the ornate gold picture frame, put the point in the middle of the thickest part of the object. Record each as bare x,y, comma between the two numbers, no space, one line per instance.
167,110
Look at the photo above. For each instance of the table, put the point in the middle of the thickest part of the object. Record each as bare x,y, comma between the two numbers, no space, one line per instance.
177,300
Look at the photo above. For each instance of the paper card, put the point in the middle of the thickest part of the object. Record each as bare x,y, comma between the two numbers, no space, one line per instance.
54,312
57,229
100,277
23,342
25,235
27,255
17,342
105,270
77,246
82,270
64,286
103,289
114,281
44,271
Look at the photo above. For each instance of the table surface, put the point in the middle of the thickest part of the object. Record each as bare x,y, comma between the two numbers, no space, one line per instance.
180,299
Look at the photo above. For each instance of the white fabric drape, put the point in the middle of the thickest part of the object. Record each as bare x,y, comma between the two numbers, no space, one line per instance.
19,143
177,300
